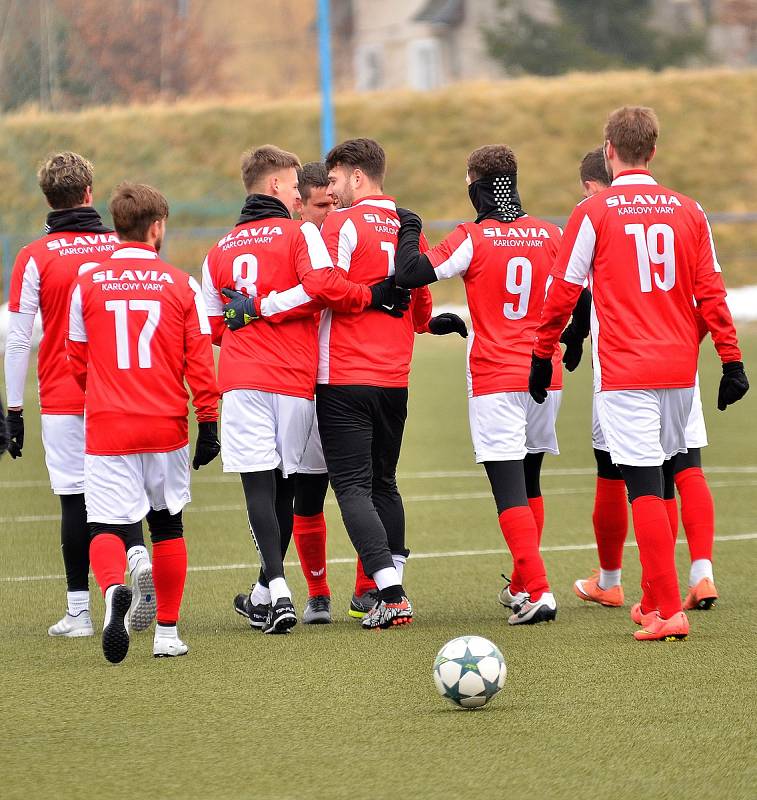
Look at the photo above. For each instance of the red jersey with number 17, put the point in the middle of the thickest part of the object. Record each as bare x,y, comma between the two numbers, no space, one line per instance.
137,329
506,269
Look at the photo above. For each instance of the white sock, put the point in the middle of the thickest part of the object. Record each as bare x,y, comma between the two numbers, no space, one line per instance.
399,565
108,605
135,555
76,603
701,568
609,578
279,589
386,577
166,632
260,595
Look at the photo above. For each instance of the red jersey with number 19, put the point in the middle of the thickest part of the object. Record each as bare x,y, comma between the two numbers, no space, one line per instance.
505,267
137,328
649,254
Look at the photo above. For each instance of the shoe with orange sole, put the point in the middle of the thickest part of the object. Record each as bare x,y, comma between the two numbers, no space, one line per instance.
640,618
675,628
590,590
702,596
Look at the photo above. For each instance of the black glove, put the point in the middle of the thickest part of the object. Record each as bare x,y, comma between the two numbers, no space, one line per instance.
15,433
733,384
240,310
3,430
442,324
408,218
540,377
574,347
389,298
207,446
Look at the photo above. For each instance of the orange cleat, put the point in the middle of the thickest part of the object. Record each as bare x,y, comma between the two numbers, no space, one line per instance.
590,591
702,596
638,617
675,628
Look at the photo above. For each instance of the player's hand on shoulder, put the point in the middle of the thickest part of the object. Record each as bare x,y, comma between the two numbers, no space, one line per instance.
574,347
540,377
240,310
386,296
408,218
445,323
15,432
733,385
207,446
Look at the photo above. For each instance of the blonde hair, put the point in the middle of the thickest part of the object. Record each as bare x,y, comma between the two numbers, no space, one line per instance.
259,164
64,178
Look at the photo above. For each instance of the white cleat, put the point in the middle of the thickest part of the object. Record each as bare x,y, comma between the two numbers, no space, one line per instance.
543,610
168,647
143,603
515,601
72,627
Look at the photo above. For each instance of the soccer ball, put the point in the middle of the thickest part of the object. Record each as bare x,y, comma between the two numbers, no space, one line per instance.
469,671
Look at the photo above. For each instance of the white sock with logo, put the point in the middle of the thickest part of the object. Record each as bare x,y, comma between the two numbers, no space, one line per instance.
399,565
609,578
260,595
135,555
701,568
76,603
279,589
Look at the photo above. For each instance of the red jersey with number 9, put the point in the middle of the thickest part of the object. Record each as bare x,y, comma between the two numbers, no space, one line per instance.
506,270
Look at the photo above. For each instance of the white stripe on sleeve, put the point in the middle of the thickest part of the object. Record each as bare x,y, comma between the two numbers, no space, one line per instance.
29,300
18,345
202,311
458,262
347,245
317,250
582,253
77,332
213,303
712,241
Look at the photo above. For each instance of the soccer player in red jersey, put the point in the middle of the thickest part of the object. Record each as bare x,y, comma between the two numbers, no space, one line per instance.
684,471
267,370
504,258
137,330
649,255
42,281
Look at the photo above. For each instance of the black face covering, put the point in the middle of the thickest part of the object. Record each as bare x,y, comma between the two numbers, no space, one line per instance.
496,197
75,220
262,206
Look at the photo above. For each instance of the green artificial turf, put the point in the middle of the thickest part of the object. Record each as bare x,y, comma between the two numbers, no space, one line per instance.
336,712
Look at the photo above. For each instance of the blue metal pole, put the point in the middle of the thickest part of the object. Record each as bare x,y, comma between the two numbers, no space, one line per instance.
324,55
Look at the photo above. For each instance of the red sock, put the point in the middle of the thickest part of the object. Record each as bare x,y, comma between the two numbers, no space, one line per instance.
520,532
107,555
310,540
363,583
697,512
657,554
610,522
169,571
672,508
536,504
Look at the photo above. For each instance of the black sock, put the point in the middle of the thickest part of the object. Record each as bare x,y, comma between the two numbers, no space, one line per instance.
392,594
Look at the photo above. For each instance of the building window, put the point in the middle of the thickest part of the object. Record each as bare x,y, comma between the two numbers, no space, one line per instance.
424,64
369,67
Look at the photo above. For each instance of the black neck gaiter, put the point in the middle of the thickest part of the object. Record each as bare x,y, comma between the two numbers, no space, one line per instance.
75,220
496,197
262,206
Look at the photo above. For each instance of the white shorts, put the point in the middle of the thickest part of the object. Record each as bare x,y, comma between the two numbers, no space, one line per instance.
696,431
63,440
507,425
263,430
644,427
120,490
313,462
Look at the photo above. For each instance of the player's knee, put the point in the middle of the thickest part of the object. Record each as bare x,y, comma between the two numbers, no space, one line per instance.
164,525
605,468
129,533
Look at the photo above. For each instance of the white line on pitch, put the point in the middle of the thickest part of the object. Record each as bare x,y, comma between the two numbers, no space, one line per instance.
558,548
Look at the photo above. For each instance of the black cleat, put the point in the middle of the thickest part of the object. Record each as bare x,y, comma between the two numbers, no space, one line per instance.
281,617
115,636
360,605
254,614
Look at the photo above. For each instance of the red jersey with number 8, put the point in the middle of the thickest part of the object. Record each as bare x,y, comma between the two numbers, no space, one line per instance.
505,267
648,253
137,329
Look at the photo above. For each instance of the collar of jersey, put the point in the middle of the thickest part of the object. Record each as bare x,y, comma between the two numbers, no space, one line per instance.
378,201
135,250
634,177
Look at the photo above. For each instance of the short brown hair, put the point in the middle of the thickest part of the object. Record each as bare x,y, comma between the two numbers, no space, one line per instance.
633,132
364,154
490,160
260,163
593,167
134,207
311,176
63,178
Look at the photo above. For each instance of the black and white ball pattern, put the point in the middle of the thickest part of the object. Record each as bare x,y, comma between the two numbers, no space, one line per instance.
469,671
